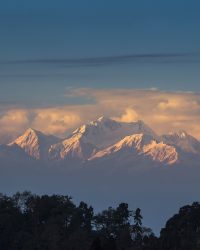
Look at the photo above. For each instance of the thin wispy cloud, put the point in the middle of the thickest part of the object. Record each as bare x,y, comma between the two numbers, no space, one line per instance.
31,75
110,60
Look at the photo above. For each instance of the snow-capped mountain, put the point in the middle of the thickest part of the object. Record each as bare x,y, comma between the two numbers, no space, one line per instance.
35,143
183,141
76,147
107,141
138,146
105,132
94,136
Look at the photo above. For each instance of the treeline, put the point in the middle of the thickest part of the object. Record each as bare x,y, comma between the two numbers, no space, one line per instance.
33,222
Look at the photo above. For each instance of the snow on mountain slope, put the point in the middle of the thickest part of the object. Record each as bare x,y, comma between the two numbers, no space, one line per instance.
183,141
90,138
161,152
35,143
105,132
76,147
139,145
107,140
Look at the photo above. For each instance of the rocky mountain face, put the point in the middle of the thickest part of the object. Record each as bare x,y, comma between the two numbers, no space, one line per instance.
35,144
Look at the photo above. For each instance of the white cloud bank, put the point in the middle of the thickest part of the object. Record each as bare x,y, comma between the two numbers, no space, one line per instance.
163,111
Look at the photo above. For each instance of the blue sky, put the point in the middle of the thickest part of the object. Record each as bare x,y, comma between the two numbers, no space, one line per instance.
45,46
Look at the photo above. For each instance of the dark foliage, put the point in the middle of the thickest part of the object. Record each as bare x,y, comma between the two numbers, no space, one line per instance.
182,231
32,222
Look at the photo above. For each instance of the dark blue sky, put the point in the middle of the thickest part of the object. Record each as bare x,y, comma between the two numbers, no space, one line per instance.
47,46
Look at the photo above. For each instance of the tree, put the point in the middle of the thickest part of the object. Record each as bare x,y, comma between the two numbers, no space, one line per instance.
182,231
86,215
105,222
137,227
35,222
122,215
11,222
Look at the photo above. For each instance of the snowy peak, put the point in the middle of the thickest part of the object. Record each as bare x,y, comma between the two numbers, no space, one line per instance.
110,141
76,147
103,119
161,152
29,135
98,125
35,143
104,132
181,134
107,123
131,143
183,141
29,141
139,145
95,136
137,141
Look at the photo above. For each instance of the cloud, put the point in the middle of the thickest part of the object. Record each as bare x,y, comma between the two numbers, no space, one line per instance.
163,111
58,121
55,120
112,59
11,122
13,119
130,115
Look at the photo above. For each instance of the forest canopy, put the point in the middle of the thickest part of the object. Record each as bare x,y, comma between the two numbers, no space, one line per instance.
34,222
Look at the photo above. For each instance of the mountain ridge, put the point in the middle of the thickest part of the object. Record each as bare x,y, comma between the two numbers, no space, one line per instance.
106,139
35,143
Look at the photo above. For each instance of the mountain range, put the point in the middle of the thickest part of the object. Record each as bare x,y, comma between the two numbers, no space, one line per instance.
106,162
105,142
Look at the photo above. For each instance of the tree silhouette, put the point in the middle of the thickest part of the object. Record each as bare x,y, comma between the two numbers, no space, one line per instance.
182,231
137,227
33,222
96,244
